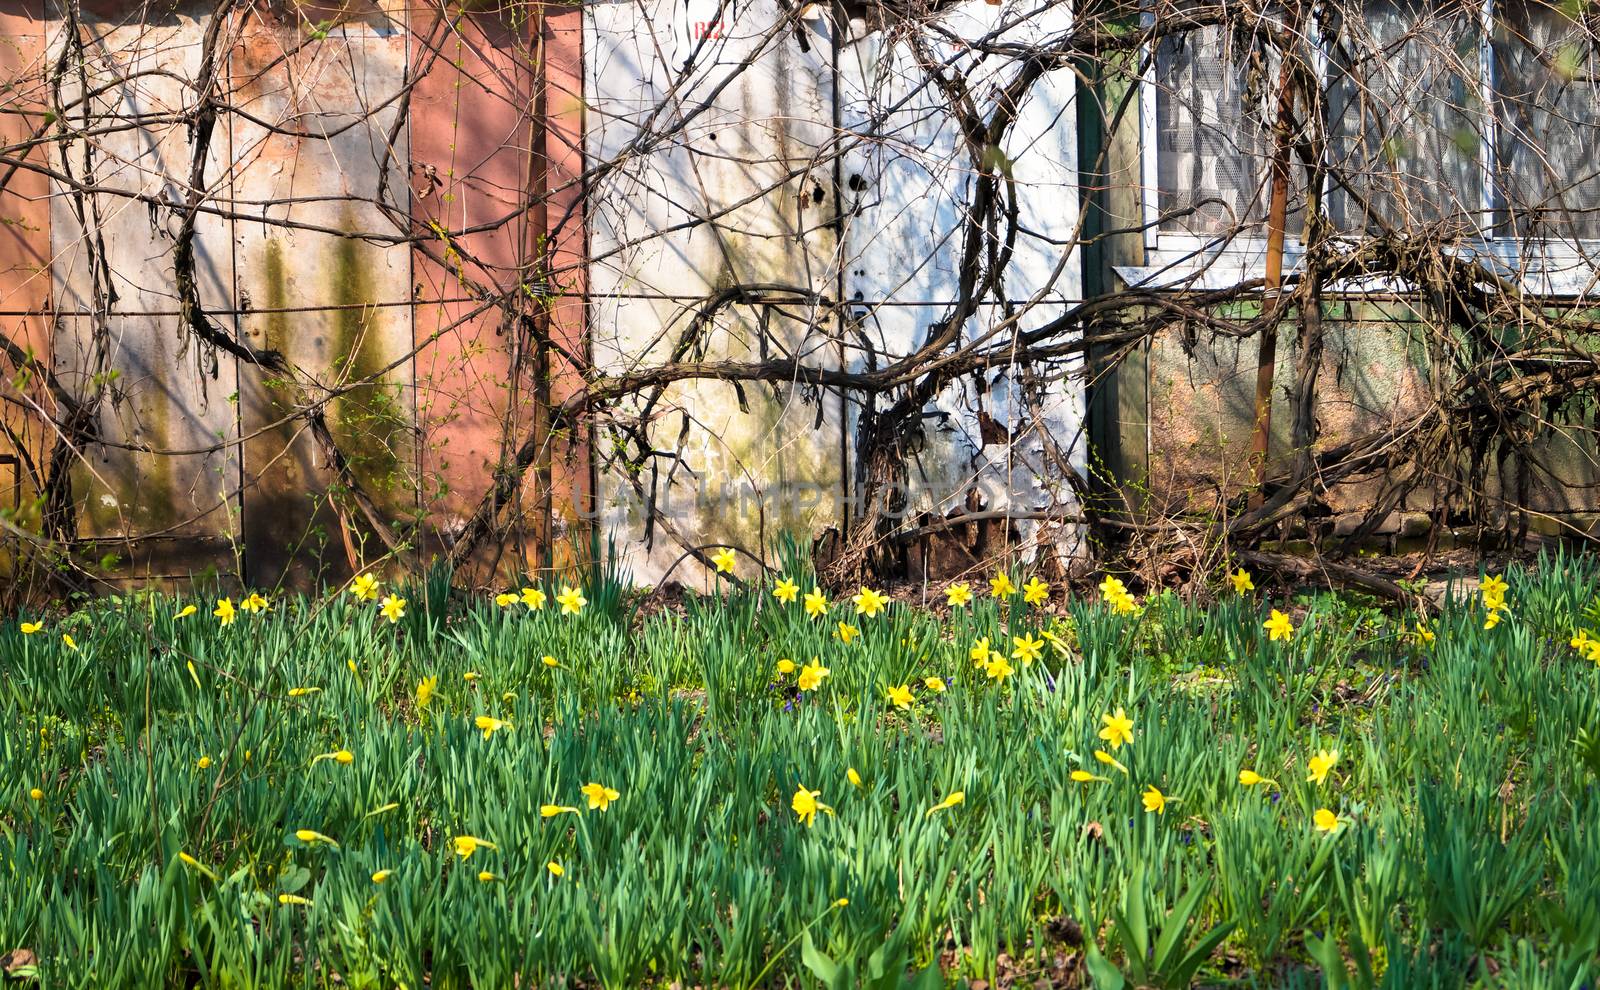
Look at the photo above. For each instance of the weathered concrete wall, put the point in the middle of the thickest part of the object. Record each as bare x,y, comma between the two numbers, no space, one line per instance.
740,189
1202,401
323,154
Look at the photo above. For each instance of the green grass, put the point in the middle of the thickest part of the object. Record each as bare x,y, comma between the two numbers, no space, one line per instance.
1467,851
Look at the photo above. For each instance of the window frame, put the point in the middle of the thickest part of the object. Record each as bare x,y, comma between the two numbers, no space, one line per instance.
1174,249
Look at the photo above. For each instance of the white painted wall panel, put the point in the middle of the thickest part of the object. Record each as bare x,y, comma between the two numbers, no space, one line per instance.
729,197
911,176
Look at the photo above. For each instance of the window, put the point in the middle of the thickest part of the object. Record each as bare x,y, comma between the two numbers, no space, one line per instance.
1548,154
1480,115
1211,157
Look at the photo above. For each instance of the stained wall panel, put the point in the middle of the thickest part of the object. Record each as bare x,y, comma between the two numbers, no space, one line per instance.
117,341
335,303
730,195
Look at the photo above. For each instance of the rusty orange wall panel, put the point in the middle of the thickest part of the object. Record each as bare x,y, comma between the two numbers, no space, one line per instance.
338,306
563,103
471,154
24,258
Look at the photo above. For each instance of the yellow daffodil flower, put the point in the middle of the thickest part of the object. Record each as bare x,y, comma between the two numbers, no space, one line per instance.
1493,586
311,838
1493,619
71,643
1154,800
204,763
934,684
1085,777
1112,587
552,810
224,611
811,676
533,598
785,667
340,756
471,676
29,628
36,794
1320,764
1000,585
288,899
379,876
851,775
1580,642
980,651
185,612
393,608
486,876
1035,592
1325,821
997,668
425,690
505,599
724,559
958,595
786,591
255,603
466,845
1109,760
555,869
365,587
900,696
571,600
806,806
490,725
600,796
1116,729
1027,649
1241,581
1249,778
1278,626
869,602
953,799
1423,634
816,603
847,632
